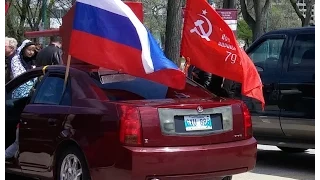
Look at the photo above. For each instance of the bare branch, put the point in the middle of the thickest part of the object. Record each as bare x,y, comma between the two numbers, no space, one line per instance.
309,5
296,9
246,16
265,7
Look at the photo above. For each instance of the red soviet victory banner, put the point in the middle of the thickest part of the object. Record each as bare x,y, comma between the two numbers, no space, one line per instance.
210,45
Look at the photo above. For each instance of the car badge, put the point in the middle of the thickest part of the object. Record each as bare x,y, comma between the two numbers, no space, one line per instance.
200,109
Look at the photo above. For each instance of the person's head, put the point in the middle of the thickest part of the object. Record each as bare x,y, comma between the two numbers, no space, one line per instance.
11,46
29,50
56,40
38,47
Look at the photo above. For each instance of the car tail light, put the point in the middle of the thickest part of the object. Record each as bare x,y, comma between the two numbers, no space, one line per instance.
247,121
130,125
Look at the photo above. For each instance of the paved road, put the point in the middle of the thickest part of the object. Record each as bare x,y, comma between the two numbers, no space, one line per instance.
273,164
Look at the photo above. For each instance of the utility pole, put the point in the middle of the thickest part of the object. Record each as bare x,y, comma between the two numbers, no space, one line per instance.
44,13
43,24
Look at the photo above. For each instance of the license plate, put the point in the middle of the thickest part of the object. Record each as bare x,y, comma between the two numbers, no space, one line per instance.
198,122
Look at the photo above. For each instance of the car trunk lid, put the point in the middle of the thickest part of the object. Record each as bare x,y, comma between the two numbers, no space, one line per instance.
186,122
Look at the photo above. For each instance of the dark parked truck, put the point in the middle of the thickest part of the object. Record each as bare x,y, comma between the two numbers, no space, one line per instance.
285,60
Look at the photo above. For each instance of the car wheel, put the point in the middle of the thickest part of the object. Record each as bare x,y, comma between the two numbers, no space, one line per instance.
72,165
292,150
227,178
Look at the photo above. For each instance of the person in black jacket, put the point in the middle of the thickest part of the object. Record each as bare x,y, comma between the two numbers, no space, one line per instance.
50,55
217,85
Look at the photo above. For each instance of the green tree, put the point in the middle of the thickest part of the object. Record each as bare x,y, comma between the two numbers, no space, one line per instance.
281,16
244,32
256,19
23,15
155,14
26,15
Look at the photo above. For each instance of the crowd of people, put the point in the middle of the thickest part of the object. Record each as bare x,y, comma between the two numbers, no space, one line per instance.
30,55
23,58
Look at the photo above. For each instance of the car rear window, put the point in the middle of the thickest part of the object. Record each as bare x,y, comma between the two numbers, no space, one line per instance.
125,87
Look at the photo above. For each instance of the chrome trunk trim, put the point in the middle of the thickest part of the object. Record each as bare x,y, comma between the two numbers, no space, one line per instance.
166,116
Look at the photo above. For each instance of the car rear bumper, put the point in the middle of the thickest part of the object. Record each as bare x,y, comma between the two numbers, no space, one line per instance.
190,162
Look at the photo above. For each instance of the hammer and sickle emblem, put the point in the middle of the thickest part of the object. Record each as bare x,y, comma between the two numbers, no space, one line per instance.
199,24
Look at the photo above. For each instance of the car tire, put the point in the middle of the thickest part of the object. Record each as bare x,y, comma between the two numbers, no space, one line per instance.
227,178
292,150
71,163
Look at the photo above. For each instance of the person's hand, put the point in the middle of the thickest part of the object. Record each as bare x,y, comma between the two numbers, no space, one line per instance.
194,75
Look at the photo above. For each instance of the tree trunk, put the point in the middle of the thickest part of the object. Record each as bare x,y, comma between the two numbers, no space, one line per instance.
257,30
309,4
229,4
256,24
260,19
173,30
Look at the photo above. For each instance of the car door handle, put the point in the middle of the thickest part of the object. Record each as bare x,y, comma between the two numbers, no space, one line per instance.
52,122
269,87
23,122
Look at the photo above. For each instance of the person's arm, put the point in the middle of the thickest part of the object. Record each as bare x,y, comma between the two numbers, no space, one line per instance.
16,66
58,57
229,87
207,80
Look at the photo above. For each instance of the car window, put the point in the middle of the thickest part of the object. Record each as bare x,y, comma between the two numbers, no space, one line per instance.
126,87
24,90
267,54
51,92
303,53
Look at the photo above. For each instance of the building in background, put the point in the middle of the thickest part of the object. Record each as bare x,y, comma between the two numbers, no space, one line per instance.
59,9
303,8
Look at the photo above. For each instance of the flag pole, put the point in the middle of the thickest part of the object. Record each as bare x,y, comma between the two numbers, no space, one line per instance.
186,66
67,72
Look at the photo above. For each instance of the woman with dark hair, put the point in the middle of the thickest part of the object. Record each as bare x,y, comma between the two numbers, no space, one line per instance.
23,61
24,58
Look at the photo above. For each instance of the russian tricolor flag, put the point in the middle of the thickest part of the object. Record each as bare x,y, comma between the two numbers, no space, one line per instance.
107,33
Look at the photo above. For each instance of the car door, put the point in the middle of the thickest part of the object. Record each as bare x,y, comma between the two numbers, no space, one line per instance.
297,90
41,124
19,92
16,101
267,54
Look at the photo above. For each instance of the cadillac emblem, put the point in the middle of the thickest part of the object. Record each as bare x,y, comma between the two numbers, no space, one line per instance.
200,109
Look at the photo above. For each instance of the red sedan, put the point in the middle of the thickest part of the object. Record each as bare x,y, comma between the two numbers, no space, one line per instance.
114,126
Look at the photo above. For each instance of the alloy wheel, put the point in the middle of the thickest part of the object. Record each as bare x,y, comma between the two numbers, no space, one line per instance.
71,168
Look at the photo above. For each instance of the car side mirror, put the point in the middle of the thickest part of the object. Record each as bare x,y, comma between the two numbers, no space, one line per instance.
259,69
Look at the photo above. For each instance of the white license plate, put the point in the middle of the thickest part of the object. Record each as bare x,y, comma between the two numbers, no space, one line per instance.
197,122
